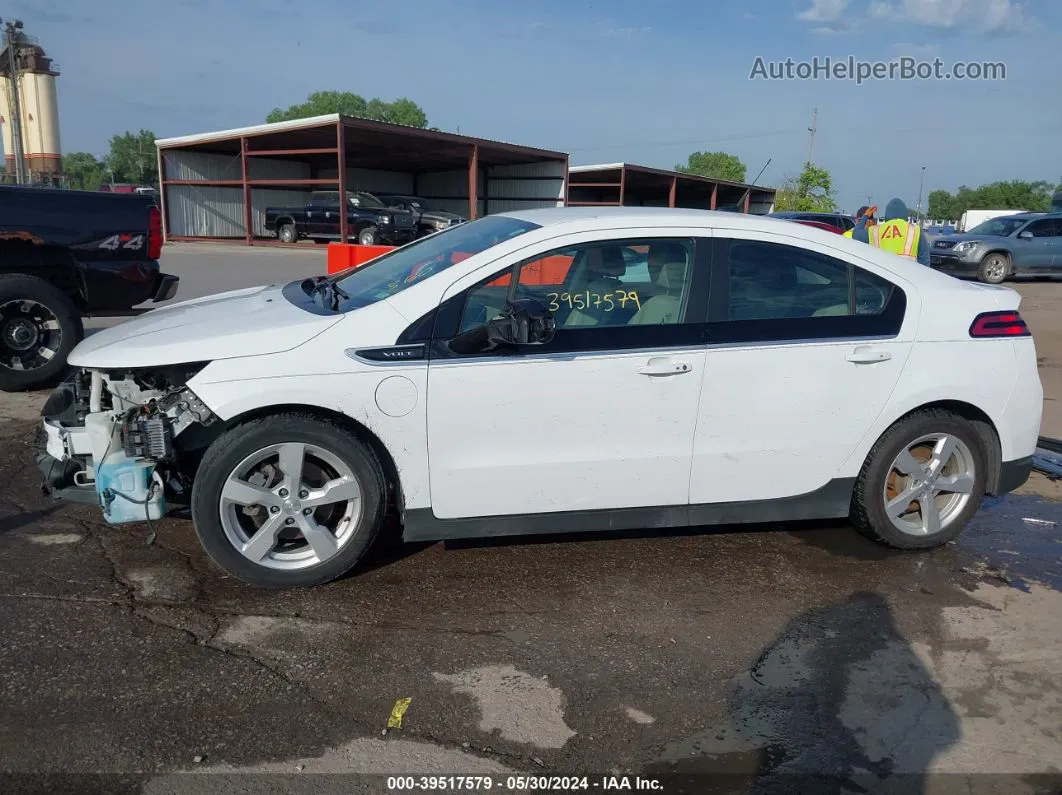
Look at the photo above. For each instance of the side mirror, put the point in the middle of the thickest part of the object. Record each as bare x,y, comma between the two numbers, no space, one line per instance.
526,322
1025,235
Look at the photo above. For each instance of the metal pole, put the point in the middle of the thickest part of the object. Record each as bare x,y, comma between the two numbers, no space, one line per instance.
473,183
921,184
813,129
341,164
16,107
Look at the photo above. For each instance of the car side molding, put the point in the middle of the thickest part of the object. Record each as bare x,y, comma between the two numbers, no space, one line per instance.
832,501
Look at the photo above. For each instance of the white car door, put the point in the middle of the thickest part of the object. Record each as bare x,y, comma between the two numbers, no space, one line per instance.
601,417
804,352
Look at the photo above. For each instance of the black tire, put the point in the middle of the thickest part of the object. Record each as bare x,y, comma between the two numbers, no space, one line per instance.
868,506
286,233
368,236
994,269
16,287
233,446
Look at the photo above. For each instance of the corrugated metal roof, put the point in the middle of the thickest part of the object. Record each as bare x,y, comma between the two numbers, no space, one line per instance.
666,172
257,129
332,118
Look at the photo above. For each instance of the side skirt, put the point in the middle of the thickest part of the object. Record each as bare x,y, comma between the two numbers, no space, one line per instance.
832,501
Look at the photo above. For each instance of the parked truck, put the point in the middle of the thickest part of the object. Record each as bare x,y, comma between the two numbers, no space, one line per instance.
66,255
370,222
972,218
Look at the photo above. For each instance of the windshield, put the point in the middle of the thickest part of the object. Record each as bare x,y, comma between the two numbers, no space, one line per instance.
1001,227
392,273
367,200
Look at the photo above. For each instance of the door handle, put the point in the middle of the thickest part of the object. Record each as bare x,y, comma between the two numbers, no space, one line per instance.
867,356
661,367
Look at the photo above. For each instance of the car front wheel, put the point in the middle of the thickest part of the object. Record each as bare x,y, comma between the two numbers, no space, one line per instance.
993,269
288,501
922,482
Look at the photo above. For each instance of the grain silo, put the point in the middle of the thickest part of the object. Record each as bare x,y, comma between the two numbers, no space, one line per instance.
38,102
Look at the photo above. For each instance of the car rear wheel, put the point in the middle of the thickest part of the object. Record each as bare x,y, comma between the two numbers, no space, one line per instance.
286,233
288,501
39,327
994,269
922,482
368,236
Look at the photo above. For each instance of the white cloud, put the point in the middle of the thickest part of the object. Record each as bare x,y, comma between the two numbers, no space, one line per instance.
989,16
915,50
824,11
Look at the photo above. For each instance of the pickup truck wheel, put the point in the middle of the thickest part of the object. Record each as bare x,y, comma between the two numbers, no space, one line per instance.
994,269
367,236
39,326
286,233
288,501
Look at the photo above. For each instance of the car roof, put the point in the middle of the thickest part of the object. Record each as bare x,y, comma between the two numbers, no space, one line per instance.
593,218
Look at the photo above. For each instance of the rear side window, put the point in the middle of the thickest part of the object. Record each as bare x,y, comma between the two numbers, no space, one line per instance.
770,290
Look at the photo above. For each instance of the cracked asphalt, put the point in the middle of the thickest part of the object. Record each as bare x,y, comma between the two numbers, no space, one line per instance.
729,660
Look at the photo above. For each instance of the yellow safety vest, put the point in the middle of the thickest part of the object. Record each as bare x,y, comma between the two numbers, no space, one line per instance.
897,236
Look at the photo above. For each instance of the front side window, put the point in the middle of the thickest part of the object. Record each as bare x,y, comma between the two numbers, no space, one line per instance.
1002,227
392,273
1045,228
595,285
362,199
771,281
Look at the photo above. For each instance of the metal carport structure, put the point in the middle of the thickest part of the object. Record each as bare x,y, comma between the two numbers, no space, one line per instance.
629,185
216,186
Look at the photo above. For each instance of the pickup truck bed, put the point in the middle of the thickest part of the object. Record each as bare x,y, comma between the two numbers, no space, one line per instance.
66,255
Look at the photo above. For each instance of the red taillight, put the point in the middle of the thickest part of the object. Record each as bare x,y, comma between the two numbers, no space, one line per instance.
999,324
154,233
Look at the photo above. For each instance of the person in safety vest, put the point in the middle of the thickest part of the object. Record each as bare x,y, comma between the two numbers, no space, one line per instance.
896,234
864,221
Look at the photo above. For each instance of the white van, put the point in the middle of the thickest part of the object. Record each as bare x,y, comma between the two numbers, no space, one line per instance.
972,218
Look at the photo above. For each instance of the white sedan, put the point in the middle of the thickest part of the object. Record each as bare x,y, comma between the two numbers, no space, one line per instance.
557,370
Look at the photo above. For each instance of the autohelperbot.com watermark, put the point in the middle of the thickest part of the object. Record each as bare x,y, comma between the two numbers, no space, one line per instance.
851,68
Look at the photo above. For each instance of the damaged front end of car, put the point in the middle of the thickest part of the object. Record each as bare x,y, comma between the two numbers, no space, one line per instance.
123,440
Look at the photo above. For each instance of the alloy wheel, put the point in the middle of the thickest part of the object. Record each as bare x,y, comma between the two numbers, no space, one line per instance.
290,506
929,483
30,334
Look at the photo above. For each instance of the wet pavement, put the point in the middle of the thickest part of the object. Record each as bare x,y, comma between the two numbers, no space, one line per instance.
733,660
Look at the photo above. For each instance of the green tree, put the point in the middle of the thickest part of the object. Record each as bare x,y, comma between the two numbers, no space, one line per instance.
133,158
810,191
320,103
84,170
717,165
1012,194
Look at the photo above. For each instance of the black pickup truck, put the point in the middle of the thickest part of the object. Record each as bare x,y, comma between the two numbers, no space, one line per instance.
66,255
369,221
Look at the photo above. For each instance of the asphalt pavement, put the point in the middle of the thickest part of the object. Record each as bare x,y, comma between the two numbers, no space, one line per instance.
752,659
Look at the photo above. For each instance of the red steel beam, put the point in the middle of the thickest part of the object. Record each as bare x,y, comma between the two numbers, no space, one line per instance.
341,165
748,196
248,224
473,183
238,183
672,191
328,150
623,185
162,197
715,194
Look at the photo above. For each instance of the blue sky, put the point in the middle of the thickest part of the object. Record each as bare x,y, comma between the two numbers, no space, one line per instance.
644,82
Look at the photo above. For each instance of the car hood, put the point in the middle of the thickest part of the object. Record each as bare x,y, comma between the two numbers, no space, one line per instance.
962,237
442,215
249,322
